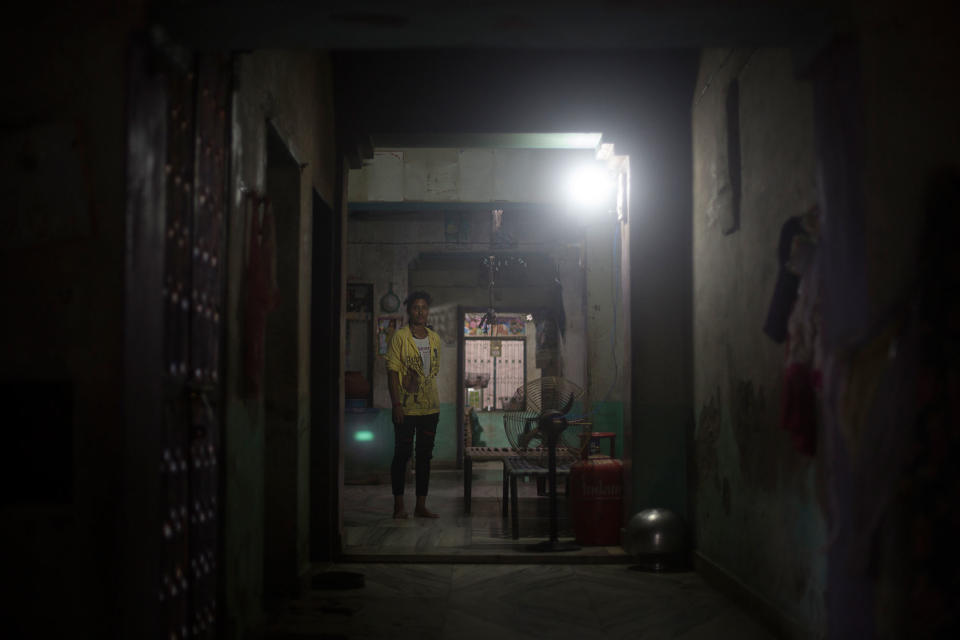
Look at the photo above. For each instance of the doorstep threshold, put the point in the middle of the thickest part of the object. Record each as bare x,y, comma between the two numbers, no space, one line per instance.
485,558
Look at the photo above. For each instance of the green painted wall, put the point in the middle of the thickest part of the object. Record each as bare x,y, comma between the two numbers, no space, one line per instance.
367,461
608,416
368,456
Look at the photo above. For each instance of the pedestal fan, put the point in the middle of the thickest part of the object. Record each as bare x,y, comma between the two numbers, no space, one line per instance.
541,430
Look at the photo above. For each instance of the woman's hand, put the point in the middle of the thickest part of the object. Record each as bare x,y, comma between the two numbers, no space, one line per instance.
397,414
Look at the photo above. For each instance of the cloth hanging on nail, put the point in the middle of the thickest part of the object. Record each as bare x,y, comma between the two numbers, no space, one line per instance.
802,380
785,290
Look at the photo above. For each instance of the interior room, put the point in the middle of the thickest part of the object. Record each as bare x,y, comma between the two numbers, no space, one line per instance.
661,297
514,242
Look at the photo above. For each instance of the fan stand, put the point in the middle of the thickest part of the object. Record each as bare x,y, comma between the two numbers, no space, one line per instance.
553,544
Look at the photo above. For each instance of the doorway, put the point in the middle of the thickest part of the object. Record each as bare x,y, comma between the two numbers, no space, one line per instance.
539,256
498,360
283,488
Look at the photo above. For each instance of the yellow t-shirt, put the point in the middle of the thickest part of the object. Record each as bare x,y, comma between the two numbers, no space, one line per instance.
404,357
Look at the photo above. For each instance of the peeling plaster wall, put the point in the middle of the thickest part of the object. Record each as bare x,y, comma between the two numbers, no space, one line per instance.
755,510
293,92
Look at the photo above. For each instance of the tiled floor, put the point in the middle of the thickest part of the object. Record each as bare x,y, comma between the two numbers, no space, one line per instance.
465,578
507,602
371,532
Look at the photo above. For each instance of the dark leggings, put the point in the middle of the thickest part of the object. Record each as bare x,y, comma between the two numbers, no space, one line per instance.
425,428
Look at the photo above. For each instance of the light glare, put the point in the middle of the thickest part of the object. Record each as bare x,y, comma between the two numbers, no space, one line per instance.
589,187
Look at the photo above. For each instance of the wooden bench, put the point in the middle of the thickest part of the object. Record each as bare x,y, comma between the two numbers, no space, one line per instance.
516,467
498,454
480,454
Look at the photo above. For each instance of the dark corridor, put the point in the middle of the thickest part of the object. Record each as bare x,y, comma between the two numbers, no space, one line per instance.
186,214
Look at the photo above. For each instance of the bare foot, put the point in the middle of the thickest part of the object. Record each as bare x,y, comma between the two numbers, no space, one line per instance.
399,513
423,512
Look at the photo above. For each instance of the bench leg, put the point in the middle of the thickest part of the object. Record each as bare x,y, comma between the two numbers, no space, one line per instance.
506,492
514,505
467,483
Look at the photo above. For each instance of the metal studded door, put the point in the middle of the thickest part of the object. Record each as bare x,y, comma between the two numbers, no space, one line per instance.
189,517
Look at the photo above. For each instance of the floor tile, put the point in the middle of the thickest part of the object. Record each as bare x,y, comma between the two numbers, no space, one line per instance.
515,602
369,528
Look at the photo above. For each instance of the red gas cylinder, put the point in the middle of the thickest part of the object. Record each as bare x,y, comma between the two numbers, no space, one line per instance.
596,500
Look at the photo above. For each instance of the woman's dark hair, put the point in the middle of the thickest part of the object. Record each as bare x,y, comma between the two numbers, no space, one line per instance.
417,295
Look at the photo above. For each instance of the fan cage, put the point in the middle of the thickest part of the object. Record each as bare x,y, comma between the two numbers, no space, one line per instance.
522,428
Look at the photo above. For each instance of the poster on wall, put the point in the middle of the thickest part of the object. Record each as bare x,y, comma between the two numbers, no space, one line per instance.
386,326
506,324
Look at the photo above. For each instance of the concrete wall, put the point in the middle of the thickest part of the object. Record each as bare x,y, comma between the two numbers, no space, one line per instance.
659,284
605,325
293,92
466,175
754,507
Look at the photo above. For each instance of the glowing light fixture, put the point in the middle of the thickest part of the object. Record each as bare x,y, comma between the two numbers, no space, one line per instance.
590,187
363,436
